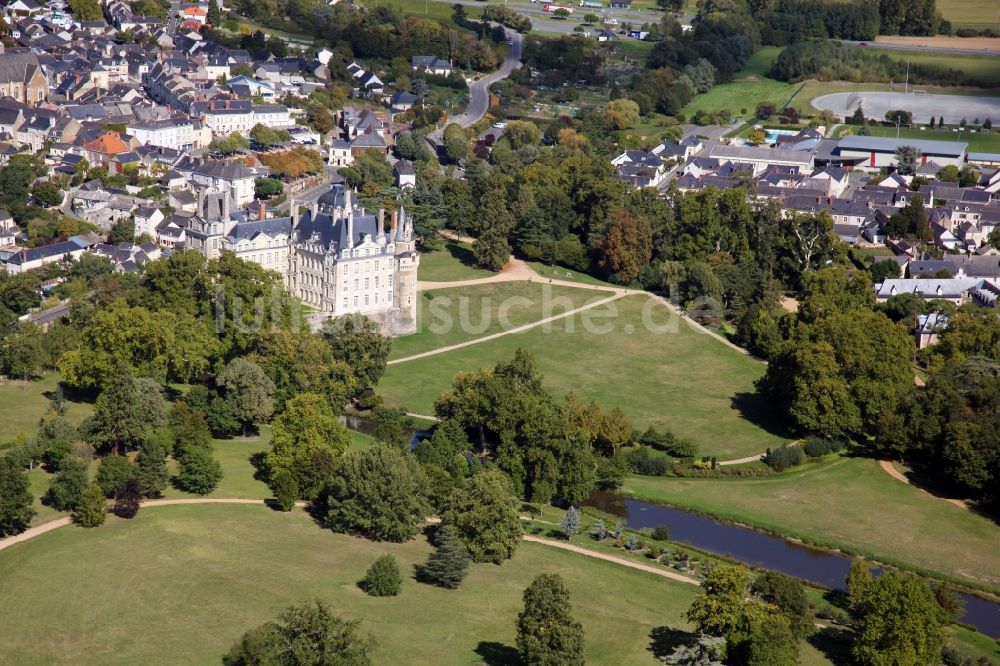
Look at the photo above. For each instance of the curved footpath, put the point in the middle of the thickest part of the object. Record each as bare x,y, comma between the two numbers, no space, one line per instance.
39,530
891,470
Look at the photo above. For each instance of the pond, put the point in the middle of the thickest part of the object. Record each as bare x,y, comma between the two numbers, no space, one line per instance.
820,567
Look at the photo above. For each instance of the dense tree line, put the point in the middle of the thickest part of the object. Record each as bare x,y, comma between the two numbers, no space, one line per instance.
789,21
828,61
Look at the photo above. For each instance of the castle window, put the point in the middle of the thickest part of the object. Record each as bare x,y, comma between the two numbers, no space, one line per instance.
355,301
390,280
376,282
357,283
366,299
366,284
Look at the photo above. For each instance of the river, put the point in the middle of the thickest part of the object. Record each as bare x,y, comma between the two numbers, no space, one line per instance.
820,567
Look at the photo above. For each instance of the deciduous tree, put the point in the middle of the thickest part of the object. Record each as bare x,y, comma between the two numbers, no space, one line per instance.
898,622
92,507
248,391
306,427
378,493
307,634
484,514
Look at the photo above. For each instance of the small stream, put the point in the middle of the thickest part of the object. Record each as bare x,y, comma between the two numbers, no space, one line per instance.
820,567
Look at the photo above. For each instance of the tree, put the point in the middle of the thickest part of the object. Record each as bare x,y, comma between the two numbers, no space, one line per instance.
522,133
306,428
68,485
448,565
285,489
492,248
15,498
266,136
46,194
546,631
591,18
112,473
128,499
910,221
627,247
307,634
907,158
151,468
883,270
123,417
706,651
265,188
898,622
456,145
22,353
123,231
377,493
570,523
92,508
789,596
248,391
229,145
383,578
858,580
484,514
86,10
621,114
358,341
200,472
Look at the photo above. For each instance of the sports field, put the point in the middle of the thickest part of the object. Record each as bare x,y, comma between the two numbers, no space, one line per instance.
850,503
678,378
970,13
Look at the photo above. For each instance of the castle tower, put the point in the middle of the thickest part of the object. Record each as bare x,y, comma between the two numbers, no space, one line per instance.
407,261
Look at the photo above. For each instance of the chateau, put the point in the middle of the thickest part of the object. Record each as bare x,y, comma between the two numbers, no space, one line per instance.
334,256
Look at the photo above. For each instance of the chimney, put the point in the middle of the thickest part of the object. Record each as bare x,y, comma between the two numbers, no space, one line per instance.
201,202
381,220
293,208
262,211
347,198
314,209
395,223
225,205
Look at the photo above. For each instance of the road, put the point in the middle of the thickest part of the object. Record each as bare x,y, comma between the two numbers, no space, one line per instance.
922,49
479,91
307,196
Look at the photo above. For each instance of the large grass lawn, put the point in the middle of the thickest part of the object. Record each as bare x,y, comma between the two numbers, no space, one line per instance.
180,584
849,503
454,262
24,403
450,316
682,380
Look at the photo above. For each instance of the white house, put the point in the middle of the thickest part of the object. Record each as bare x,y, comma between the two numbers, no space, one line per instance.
175,133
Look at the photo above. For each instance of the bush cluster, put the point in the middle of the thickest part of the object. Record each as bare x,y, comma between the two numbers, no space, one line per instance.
785,457
817,447
642,461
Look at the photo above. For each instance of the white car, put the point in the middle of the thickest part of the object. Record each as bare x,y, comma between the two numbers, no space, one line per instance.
500,125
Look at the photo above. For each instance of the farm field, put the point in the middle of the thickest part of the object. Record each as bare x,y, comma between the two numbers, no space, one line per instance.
852,504
450,316
244,564
970,13
965,43
683,380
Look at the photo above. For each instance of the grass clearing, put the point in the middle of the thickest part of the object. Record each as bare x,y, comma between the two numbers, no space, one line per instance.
455,262
851,504
451,316
24,403
748,88
244,564
683,380
425,8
